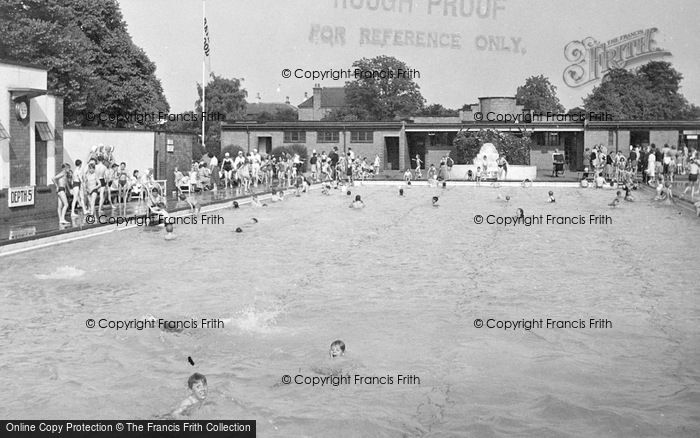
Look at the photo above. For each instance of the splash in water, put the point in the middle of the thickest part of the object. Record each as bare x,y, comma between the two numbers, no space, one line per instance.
62,273
255,320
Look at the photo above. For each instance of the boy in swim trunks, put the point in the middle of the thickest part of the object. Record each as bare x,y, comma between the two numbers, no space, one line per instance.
198,388
61,182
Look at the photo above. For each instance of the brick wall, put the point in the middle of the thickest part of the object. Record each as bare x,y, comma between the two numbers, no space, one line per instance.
45,202
20,149
181,157
662,137
58,133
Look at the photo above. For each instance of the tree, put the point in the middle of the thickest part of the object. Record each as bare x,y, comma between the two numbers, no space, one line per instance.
437,110
91,60
372,97
225,102
280,115
538,94
650,93
515,147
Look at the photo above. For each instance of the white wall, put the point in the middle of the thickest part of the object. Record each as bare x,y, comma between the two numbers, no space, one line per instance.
133,147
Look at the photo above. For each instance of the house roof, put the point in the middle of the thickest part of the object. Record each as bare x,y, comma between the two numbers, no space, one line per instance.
331,97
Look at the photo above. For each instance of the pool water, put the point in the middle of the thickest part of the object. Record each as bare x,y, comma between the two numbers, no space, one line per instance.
401,282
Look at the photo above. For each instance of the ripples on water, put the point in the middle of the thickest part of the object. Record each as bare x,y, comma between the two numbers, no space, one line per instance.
401,283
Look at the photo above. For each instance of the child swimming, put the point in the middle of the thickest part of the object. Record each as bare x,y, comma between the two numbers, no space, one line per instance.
169,232
198,388
337,349
435,201
551,197
400,192
357,203
255,202
616,201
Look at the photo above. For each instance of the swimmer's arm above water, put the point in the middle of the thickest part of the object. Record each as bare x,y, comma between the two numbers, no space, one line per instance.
181,410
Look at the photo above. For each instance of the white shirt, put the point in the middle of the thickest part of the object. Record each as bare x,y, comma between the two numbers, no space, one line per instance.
214,161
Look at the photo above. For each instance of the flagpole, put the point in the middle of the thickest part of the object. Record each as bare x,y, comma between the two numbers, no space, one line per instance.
204,74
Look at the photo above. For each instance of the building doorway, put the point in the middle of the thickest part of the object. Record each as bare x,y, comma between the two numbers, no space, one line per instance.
264,145
639,138
40,162
391,153
416,146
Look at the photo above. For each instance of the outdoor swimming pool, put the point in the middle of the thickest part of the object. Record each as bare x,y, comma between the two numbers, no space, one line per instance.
401,282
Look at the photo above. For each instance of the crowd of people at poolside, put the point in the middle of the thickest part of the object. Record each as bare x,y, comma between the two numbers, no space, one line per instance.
101,180
659,168
246,171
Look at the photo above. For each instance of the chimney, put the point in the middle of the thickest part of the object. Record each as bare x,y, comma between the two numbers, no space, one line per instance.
306,95
258,98
287,100
317,102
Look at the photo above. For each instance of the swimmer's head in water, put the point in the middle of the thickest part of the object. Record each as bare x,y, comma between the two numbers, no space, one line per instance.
348,193
254,220
551,193
235,204
444,184
400,192
198,384
435,199
409,183
169,228
519,212
337,348
358,198
239,230
507,197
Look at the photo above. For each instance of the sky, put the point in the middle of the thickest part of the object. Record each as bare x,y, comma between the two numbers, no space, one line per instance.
488,47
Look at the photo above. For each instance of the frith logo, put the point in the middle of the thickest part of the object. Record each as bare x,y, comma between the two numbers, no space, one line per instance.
592,59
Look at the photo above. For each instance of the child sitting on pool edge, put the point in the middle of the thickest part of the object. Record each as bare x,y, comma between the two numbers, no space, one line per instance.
337,349
198,388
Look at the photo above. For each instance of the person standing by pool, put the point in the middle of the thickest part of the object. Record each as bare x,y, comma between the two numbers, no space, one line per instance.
418,161
61,183
431,176
77,189
227,169
693,182
214,168
92,187
502,167
101,174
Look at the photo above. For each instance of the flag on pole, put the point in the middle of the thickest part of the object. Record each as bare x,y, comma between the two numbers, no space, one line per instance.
206,37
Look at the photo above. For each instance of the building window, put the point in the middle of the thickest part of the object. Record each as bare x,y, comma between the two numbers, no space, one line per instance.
361,136
295,136
327,137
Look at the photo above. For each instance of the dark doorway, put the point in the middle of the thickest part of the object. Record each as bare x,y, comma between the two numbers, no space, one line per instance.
391,161
40,162
638,138
264,145
416,146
